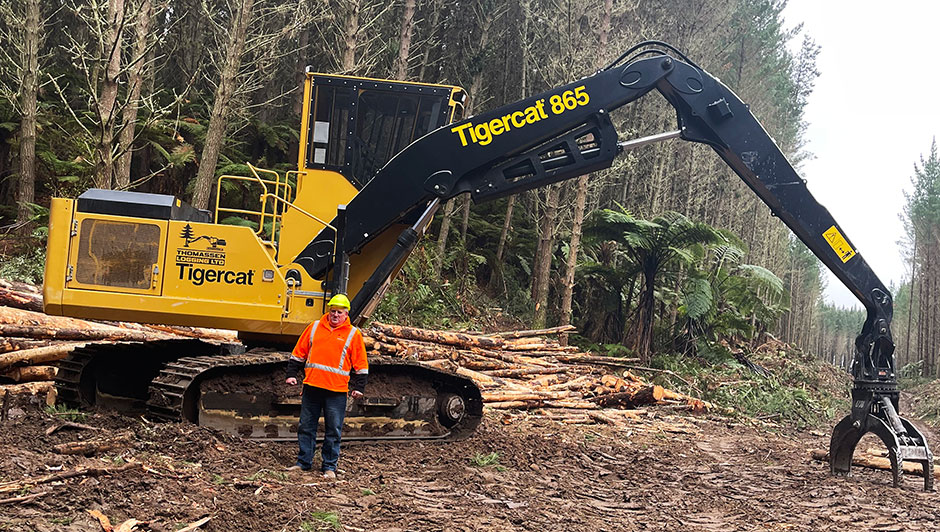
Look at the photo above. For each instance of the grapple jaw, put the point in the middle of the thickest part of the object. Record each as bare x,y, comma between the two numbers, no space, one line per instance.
902,439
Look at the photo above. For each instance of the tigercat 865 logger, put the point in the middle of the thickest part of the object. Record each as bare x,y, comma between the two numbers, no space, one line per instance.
376,160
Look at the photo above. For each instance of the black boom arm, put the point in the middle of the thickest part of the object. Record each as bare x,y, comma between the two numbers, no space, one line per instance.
566,132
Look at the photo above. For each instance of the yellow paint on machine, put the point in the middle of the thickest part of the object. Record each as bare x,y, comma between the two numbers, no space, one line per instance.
839,244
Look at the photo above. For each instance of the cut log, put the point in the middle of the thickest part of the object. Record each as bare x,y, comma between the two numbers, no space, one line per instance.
498,355
572,403
522,372
597,416
91,447
38,355
876,462
31,373
534,332
439,337
500,396
25,498
604,361
535,361
16,344
573,384
19,286
17,485
106,333
69,425
522,405
20,300
545,381
27,388
643,395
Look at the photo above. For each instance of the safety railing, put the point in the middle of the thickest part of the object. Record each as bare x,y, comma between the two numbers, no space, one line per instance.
276,196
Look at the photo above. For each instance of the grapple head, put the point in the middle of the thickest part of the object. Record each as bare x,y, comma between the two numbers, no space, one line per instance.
875,409
902,439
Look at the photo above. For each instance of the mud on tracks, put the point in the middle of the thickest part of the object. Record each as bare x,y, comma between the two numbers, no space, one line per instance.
660,473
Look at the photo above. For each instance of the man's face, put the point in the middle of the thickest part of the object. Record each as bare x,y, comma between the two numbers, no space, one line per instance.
337,316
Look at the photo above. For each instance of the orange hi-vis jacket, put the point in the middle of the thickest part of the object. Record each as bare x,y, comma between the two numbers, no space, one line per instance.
328,355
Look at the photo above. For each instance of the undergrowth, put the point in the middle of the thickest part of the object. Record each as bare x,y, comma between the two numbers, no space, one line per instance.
924,394
795,390
26,267
421,298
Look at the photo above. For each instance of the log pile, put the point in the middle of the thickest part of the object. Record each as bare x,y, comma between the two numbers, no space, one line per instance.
31,342
525,370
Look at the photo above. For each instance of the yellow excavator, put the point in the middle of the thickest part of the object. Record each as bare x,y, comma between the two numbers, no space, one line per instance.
377,158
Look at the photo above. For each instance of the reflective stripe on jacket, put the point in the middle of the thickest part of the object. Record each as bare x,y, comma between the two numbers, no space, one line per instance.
329,354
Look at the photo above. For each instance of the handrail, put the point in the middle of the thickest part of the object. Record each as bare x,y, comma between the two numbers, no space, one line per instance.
275,217
301,211
283,194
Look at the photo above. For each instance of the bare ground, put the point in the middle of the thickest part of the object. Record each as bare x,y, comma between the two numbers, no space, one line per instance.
662,472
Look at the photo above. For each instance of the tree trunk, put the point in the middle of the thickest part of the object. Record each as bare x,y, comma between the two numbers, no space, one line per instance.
135,84
497,275
573,247
26,191
407,28
910,302
507,226
107,101
543,257
644,337
465,218
430,44
442,237
577,222
350,36
298,104
222,104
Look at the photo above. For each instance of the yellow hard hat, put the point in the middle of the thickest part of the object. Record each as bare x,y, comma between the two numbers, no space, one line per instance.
339,301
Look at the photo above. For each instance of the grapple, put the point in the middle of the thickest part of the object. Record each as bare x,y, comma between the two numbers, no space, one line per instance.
875,409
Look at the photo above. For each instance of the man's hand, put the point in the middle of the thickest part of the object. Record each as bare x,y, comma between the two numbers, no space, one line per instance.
356,394
292,381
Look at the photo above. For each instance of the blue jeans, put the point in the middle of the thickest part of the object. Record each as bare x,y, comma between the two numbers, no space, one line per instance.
333,407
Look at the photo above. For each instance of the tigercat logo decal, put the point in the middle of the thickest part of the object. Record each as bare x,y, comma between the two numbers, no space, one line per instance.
201,266
483,133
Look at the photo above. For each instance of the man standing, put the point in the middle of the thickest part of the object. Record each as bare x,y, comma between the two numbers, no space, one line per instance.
328,350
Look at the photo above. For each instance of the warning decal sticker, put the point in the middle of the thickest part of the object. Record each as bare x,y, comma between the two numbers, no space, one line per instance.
839,244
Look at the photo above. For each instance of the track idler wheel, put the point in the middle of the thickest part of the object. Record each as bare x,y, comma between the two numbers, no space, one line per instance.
907,444
451,408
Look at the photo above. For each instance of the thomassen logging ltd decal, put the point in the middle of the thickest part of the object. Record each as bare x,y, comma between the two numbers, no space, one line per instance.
483,133
191,261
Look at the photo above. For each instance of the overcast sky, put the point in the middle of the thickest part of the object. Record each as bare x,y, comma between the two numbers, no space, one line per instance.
873,113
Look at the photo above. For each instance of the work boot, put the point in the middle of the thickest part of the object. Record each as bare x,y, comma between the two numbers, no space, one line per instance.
296,467
329,474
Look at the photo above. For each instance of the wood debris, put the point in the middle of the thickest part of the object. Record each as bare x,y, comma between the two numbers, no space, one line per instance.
559,382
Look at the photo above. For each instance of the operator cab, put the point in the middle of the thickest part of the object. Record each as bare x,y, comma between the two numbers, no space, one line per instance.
357,125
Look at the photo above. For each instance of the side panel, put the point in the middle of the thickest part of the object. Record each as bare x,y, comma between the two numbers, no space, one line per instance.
209,275
57,254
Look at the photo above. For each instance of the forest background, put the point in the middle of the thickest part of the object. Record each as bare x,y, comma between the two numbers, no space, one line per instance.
666,251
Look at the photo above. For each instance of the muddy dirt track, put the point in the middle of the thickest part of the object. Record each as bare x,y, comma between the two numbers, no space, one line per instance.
663,472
